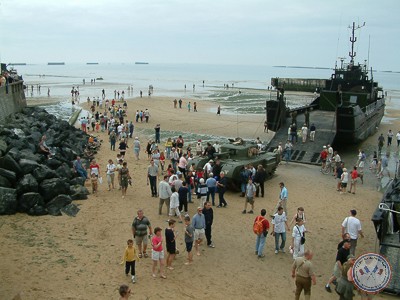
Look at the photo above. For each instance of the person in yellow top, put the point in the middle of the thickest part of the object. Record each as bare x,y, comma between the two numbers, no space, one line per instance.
130,256
168,147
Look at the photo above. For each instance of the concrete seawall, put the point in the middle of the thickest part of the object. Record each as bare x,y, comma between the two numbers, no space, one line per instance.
12,99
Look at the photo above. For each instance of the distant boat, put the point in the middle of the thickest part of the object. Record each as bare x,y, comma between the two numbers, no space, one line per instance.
56,63
99,78
141,63
92,63
17,64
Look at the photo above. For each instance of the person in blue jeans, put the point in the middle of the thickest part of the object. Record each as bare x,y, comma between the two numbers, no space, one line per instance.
211,188
78,167
262,237
279,227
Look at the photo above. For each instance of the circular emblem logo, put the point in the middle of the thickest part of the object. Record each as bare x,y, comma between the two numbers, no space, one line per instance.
371,273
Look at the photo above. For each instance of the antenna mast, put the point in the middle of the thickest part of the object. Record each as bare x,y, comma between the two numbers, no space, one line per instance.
353,39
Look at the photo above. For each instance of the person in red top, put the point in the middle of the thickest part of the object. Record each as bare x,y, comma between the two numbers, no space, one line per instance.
354,176
157,253
323,155
261,237
94,168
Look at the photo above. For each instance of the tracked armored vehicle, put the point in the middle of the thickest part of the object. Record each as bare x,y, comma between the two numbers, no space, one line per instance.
238,153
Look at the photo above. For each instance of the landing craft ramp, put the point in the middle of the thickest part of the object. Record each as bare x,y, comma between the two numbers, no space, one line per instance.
309,152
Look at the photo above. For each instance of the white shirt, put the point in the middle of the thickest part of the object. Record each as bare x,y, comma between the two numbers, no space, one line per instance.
279,222
298,231
174,200
111,168
352,226
398,136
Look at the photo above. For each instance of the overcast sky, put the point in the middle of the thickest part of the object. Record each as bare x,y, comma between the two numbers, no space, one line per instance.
247,32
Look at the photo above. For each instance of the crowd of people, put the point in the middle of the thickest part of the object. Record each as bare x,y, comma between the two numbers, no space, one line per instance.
173,178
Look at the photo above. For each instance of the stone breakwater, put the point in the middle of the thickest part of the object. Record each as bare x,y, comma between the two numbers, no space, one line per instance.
31,183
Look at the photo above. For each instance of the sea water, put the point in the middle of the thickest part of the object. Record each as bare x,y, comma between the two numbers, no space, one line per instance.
239,89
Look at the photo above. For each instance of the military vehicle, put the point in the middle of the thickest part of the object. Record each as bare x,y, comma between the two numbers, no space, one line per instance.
236,154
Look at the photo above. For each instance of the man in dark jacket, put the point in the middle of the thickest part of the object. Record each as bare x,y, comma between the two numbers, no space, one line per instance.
209,216
261,176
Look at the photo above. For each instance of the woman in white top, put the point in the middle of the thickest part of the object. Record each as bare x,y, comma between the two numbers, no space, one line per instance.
297,234
344,180
110,172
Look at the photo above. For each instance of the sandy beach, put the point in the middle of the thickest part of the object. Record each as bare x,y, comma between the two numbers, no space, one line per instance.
78,257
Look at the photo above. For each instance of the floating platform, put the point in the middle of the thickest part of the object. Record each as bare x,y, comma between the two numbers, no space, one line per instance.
141,63
92,63
17,64
56,63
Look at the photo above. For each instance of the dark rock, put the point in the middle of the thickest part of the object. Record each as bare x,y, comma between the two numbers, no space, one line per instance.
29,154
3,147
8,201
43,172
38,210
27,165
53,163
64,171
27,184
51,188
8,163
4,182
78,192
29,200
54,206
14,153
70,210
10,175
77,180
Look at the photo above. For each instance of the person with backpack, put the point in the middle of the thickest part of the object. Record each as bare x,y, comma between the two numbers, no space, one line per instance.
260,228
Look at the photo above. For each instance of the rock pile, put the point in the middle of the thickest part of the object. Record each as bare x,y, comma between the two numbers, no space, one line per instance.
29,181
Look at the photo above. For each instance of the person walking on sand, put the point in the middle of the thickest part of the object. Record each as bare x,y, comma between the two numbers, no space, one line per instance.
170,240
152,174
110,173
384,166
221,188
136,147
219,110
298,238
209,217
279,228
125,178
199,225
352,225
157,253
189,238
174,205
260,228
303,272
140,225
164,190
283,197
250,194
341,257
354,177
344,179
129,257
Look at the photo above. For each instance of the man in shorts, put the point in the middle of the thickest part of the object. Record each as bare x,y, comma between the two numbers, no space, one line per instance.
139,230
249,197
199,224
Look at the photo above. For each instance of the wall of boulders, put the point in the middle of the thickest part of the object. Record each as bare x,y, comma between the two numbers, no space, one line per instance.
29,181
